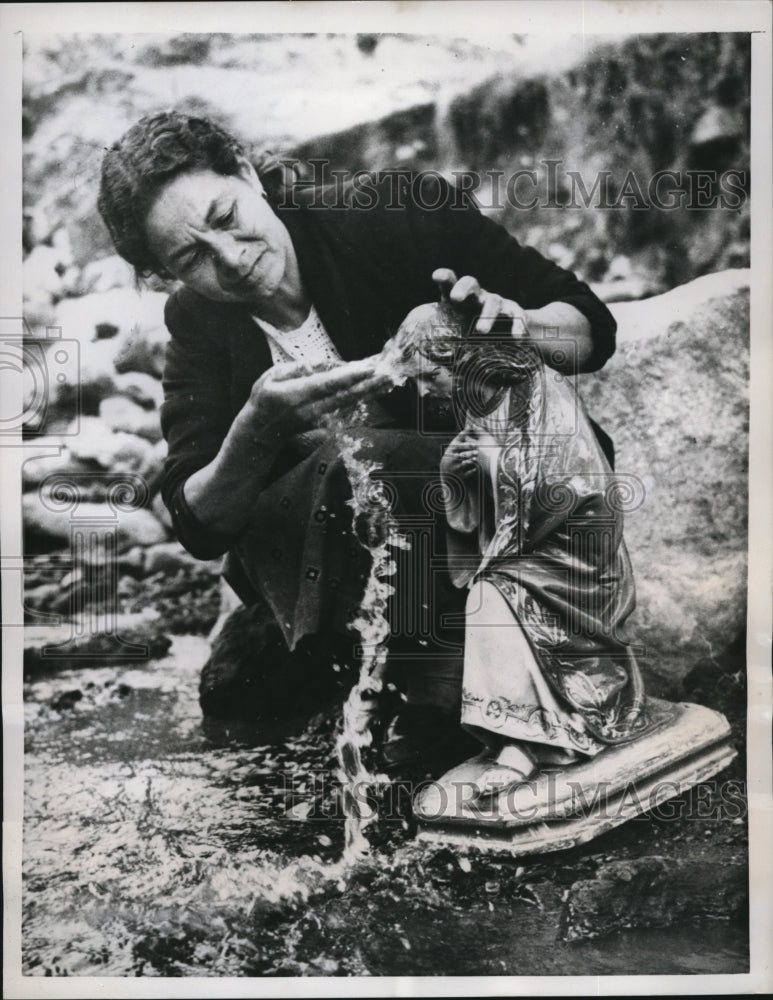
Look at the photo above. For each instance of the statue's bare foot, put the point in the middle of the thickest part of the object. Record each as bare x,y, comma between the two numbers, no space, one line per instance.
510,767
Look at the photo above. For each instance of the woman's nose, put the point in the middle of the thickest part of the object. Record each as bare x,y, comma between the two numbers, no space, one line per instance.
231,258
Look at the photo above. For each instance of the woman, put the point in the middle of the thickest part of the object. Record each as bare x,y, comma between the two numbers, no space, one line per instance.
281,305
534,525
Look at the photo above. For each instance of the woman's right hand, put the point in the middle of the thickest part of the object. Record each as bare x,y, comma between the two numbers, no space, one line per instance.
293,397
461,456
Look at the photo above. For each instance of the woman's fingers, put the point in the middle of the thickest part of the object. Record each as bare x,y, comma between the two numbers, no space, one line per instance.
347,395
465,288
287,370
320,385
467,291
445,279
493,306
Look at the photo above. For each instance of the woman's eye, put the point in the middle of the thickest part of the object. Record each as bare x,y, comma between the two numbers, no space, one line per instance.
227,218
196,258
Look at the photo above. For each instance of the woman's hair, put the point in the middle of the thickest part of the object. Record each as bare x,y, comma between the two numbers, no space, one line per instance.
154,151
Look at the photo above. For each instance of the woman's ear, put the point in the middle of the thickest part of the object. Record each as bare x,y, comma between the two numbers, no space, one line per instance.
248,173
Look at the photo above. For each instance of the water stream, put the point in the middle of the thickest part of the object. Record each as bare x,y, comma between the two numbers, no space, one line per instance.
371,510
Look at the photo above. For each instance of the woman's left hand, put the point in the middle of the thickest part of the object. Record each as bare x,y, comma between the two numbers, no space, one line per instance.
466,290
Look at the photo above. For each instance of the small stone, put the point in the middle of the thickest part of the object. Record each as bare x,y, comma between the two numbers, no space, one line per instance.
141,388
123,414
94,440
67,700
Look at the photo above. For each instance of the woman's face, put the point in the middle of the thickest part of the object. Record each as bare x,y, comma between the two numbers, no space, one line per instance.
219,236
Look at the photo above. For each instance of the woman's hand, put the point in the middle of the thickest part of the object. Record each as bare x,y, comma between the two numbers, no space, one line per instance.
558,330
285,400
466,291
293,397
461,456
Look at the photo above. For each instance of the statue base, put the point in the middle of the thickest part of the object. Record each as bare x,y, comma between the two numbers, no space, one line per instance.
560,809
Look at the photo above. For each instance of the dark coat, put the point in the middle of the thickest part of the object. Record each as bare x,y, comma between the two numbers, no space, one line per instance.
365,268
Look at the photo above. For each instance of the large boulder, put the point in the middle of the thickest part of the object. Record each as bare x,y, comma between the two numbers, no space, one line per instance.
675,400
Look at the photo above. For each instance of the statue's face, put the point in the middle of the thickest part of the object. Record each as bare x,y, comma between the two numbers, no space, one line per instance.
432,379
435,327
219,236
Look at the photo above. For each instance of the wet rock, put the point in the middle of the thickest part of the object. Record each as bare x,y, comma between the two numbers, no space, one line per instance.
46,523
674,400
121,414
185,600
653,892
129,645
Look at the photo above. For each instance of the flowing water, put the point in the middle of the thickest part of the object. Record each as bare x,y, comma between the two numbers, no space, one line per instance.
370,508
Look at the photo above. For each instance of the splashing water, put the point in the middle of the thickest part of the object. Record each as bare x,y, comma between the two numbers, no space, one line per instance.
372,510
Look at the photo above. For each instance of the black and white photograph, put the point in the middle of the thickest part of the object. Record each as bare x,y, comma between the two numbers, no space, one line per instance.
386,485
